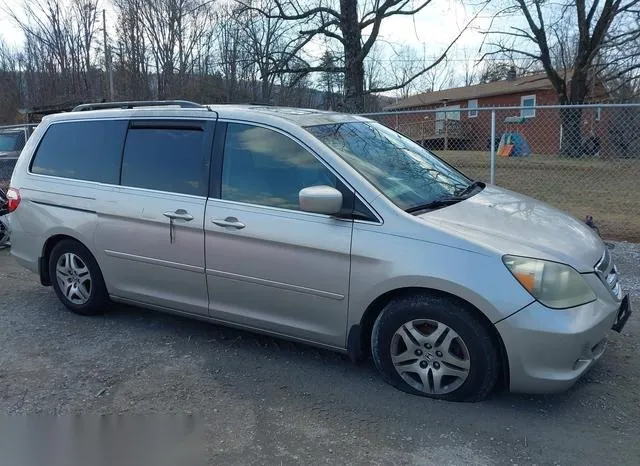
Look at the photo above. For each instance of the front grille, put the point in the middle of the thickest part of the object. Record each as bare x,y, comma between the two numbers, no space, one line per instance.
608,273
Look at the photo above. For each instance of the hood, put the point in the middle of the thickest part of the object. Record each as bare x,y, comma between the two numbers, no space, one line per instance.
510,223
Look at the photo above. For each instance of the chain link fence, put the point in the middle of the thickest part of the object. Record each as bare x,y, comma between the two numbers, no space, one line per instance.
582,159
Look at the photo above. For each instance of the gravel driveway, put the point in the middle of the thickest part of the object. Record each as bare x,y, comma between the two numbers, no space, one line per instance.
258,400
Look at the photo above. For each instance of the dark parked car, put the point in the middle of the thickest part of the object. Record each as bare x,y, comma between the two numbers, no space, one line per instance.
12,140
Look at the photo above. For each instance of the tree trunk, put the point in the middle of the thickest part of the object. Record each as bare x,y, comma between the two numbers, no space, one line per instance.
265,89
571,144
354,62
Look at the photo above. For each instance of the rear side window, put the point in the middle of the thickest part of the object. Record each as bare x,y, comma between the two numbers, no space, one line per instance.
11,141
166,157
82,150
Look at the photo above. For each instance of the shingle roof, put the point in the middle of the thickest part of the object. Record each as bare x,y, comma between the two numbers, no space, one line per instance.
534,82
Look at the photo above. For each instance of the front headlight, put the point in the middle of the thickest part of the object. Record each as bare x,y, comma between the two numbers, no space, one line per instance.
555,285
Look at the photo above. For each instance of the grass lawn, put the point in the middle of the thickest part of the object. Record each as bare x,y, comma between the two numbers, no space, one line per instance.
606,189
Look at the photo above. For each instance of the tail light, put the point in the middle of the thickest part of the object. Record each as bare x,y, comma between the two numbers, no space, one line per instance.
13,199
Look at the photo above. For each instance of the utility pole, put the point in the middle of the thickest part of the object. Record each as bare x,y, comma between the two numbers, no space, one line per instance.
107,55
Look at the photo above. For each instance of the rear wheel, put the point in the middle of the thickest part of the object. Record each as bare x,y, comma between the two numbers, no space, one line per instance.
77,279
435,346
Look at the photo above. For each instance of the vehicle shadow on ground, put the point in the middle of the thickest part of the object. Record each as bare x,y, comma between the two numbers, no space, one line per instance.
361,378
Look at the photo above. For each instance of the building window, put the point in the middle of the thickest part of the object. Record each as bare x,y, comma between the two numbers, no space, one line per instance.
472,105
449,112
528,101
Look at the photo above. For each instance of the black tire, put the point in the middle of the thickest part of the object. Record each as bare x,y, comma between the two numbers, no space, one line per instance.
98,300
4,234
483,356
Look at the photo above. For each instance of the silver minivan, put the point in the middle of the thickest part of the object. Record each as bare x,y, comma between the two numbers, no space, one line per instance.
324,228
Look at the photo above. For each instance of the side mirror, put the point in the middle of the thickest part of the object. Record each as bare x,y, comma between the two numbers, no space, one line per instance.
320,200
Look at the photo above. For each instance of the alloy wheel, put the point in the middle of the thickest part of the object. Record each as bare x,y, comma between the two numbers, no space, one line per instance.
73,278
430,356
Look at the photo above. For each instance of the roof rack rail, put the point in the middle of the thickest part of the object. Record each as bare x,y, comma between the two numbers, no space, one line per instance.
138,103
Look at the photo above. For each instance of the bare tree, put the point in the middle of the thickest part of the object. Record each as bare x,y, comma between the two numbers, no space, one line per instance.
406,63
174,28
440,77
270,42
9,83
233,63
566,39
132,65
498,70
59,37
470,70
374,68
355,25
86,15
330,83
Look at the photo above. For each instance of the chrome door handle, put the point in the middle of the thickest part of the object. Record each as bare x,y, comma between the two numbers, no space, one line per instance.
229,222
179,214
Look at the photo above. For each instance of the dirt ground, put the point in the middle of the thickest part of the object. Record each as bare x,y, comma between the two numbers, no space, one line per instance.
606,189
230,397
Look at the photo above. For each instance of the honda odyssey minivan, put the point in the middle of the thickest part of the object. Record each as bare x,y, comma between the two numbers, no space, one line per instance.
319,227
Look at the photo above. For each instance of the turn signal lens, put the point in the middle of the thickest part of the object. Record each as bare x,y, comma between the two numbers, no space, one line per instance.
527,280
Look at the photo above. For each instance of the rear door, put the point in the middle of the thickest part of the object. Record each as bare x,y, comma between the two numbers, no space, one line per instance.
269,265
151,233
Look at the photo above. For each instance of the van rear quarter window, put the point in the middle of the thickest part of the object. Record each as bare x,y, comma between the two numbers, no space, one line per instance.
82,150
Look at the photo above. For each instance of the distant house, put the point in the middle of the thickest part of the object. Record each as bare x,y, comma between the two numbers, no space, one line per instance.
455,121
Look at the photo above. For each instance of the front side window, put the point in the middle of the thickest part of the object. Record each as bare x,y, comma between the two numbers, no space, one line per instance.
409,175
82,150
168,158
528,101
264,167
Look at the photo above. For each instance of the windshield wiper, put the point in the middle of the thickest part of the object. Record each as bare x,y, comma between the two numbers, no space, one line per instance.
442,202
469,189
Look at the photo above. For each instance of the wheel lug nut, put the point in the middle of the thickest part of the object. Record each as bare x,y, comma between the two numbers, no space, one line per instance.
424,364
439,354
436,365
427,345
418,352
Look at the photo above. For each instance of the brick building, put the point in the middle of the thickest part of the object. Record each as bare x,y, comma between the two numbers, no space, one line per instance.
455,120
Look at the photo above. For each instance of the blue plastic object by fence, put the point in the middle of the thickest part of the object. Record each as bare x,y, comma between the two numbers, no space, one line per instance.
520,145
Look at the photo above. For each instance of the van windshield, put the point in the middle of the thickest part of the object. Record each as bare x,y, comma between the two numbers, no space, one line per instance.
409,175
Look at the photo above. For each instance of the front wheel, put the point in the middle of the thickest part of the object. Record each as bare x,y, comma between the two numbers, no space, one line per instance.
435,346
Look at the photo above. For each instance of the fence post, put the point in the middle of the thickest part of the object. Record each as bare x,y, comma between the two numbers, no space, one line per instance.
492,178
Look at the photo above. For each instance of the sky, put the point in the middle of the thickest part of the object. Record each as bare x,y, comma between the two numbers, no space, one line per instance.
429,31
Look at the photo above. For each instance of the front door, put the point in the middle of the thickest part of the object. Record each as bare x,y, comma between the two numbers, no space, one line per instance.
151,230
269,265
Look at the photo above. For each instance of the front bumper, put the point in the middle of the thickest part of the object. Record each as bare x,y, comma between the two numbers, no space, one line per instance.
549,350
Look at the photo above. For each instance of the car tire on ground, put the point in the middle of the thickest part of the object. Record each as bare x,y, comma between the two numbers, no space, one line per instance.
77,279
435,346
